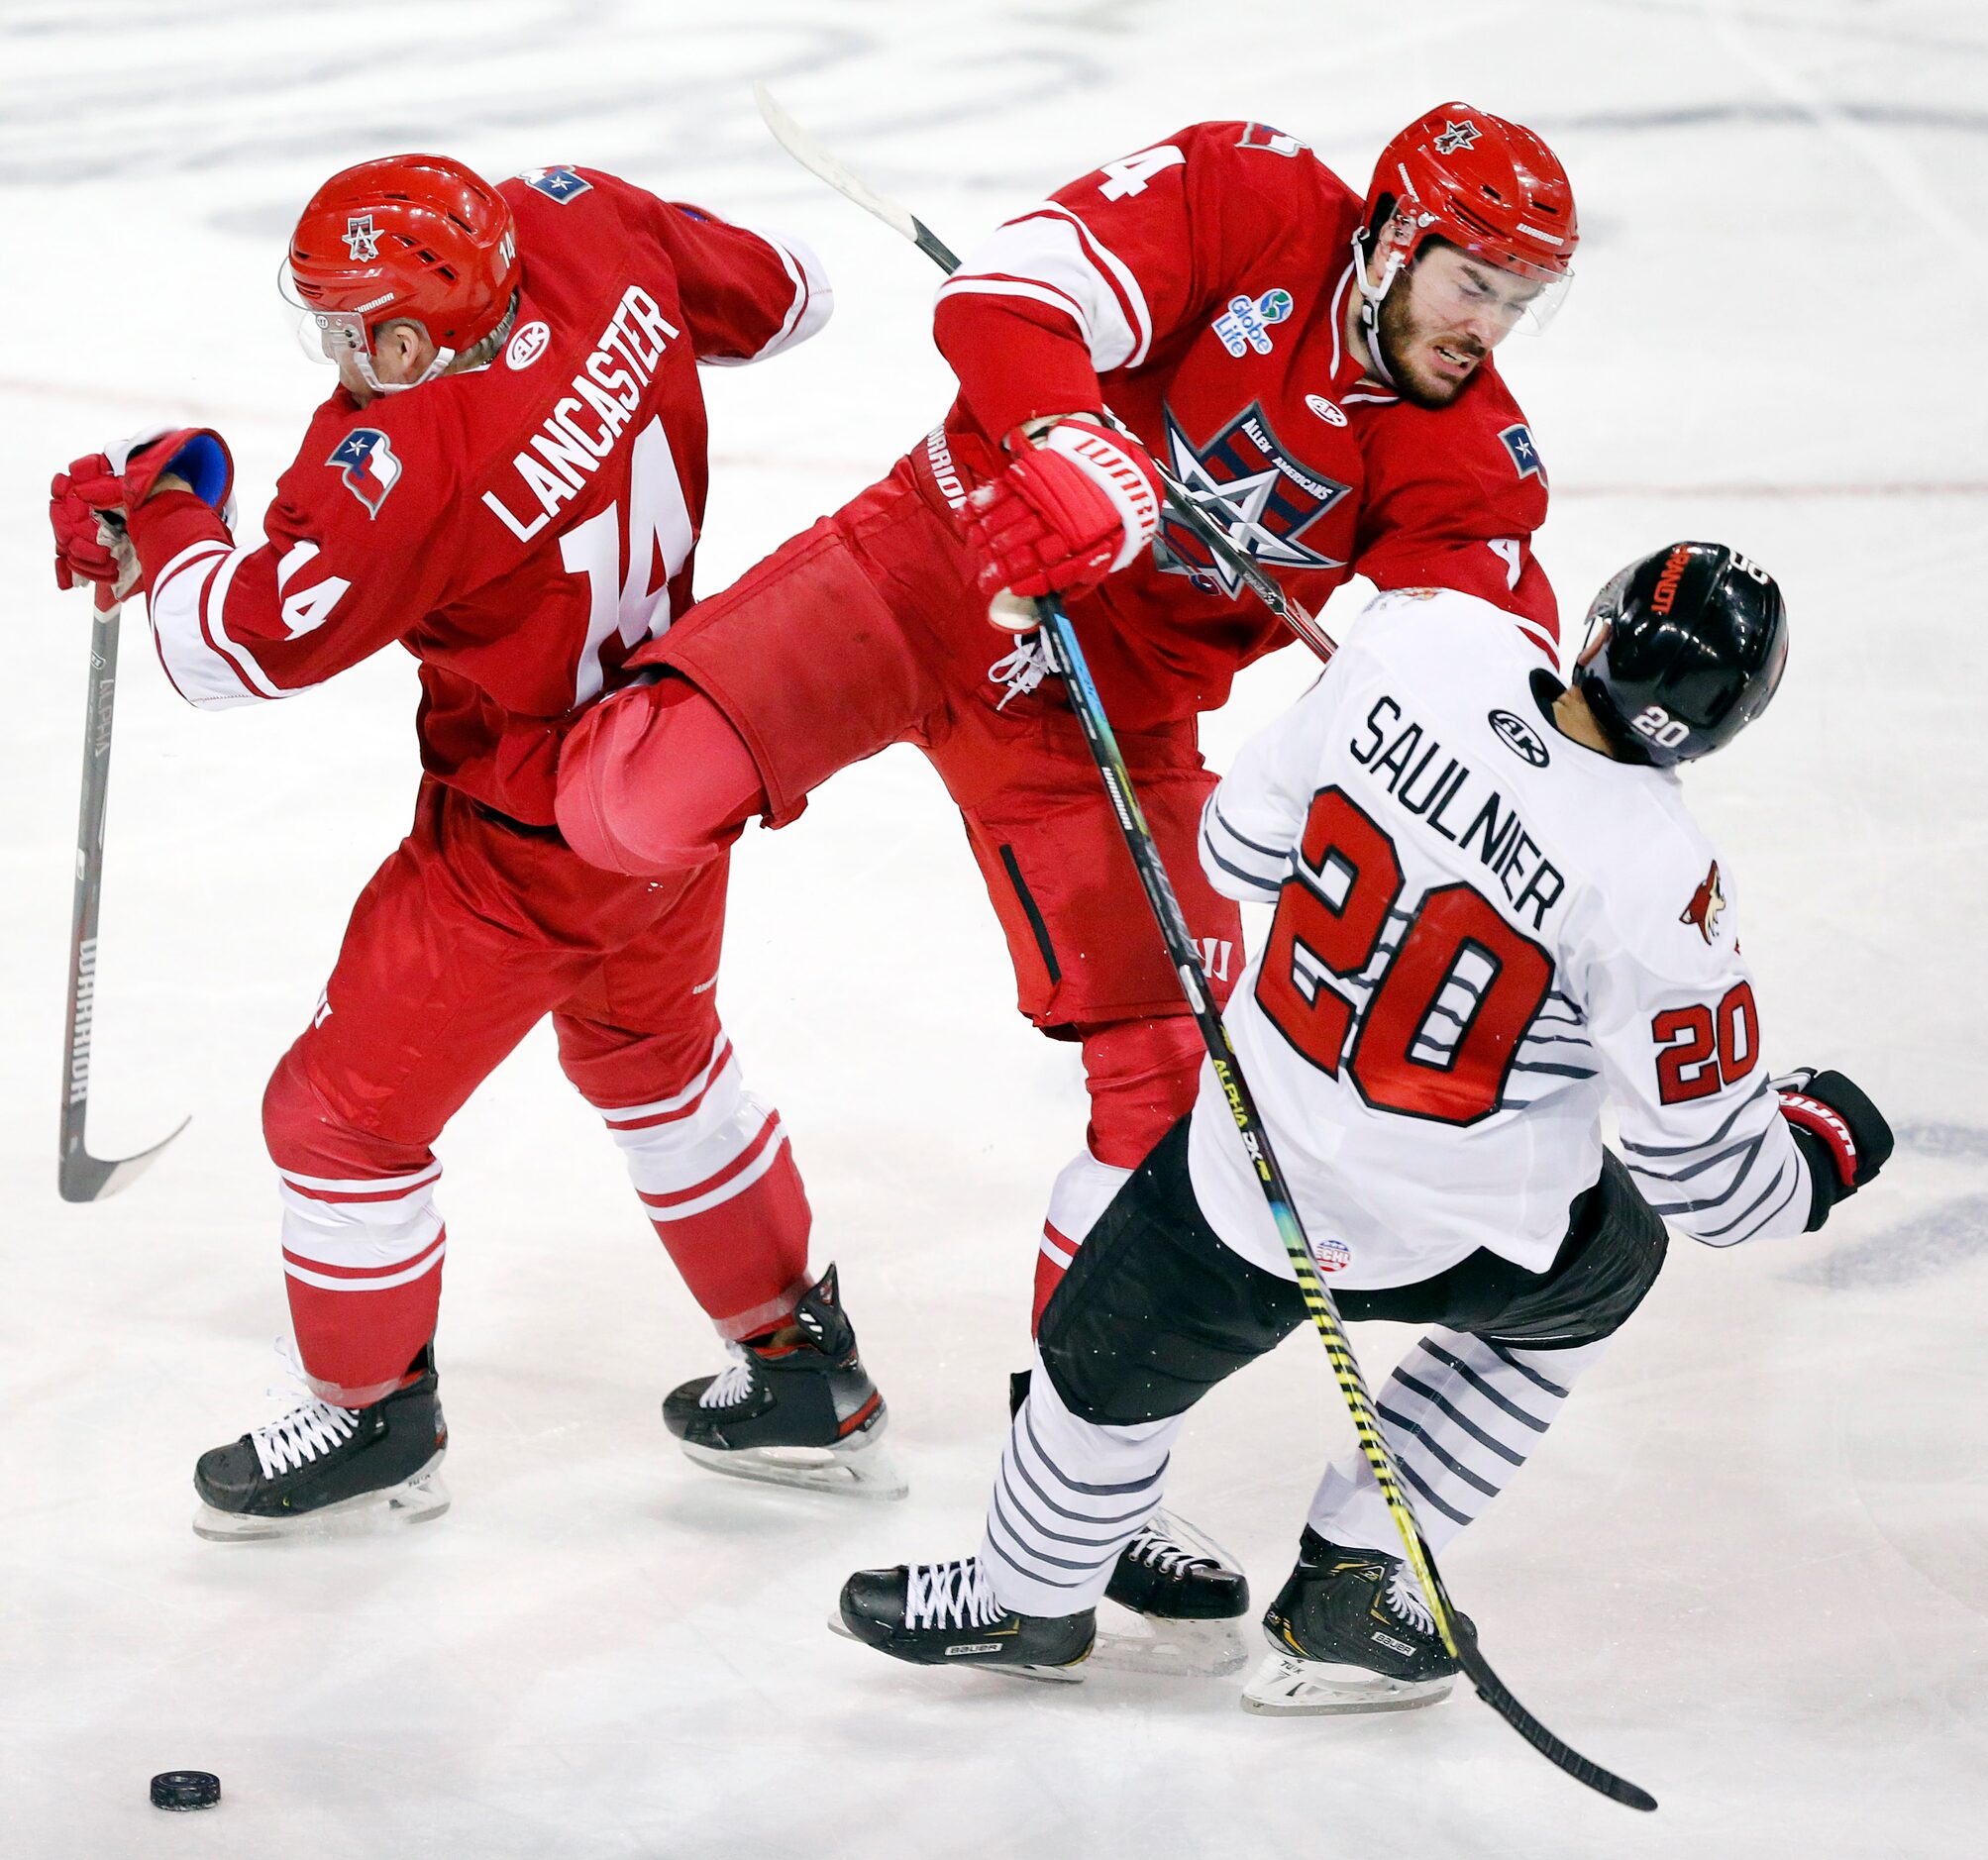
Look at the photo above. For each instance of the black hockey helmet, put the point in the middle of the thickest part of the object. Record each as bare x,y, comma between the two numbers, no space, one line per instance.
1696,638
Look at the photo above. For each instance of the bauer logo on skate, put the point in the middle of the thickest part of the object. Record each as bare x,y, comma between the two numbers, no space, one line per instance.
367,465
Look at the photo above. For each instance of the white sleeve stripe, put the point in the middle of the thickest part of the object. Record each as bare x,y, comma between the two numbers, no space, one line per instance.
192,553
214,623
199,673
1046,247
1131,297
978,286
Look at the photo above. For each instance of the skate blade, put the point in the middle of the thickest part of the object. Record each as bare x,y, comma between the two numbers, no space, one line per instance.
422,1498
1071,1675
855,1470
1171,1649
1285,1687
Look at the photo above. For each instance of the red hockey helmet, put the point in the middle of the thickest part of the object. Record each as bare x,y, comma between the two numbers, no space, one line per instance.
1486,185
413,237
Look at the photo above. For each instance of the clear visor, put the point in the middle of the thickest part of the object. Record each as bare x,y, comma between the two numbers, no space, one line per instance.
1508,297
323,335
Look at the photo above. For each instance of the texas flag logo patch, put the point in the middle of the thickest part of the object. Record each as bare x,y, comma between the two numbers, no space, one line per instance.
1525,455
560,184
366,467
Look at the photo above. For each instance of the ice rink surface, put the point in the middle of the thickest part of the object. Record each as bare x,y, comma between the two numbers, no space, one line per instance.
1751,1567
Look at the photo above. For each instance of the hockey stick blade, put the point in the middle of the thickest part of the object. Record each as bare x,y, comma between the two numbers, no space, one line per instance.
817,160
86,1177
79,1176
1498,1696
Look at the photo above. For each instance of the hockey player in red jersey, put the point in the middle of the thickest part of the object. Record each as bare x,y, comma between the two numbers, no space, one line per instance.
1312,365
509,480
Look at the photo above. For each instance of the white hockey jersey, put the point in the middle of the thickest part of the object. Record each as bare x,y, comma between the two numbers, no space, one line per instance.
1483,929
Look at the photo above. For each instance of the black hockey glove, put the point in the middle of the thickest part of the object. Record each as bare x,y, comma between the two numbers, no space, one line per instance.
1842,1135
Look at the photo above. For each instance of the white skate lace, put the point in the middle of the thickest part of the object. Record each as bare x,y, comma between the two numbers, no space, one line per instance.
1405,1599
1153,1547
1022,669
731,1384
313,1427
950,1595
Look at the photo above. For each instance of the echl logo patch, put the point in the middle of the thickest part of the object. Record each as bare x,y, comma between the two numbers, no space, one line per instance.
366,467
1260,495
560,184
1706,906
1525,455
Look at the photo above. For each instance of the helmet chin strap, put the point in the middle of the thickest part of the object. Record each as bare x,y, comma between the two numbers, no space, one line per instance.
1371,295
443,357
495,336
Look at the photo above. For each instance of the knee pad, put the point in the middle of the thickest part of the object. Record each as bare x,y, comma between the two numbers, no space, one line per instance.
655,779
1142,1076
1156,1309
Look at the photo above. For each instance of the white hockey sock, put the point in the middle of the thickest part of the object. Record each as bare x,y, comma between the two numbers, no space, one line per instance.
1462,1415
1071,1494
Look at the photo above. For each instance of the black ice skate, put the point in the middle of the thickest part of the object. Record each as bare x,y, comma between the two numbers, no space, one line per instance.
1184,1587
1349,1633
796,1407
945,1614
322,1463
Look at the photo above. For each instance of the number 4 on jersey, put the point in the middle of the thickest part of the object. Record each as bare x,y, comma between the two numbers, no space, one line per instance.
628,588
1125,178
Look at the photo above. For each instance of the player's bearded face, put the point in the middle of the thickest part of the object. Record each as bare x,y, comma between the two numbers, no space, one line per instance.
1442,317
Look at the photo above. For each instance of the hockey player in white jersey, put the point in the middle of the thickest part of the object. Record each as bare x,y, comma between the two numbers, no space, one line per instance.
1493,915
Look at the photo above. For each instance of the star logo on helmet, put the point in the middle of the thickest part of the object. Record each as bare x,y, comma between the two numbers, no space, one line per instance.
361,238
1456,136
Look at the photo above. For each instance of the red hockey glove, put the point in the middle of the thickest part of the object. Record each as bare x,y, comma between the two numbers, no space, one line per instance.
1075,506
121,479
1841,1132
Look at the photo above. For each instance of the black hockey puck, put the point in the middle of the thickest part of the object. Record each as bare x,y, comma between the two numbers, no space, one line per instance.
185,1788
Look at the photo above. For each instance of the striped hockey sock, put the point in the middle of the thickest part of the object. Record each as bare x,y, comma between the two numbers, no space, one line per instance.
1070,1496
1462,1416
717,1180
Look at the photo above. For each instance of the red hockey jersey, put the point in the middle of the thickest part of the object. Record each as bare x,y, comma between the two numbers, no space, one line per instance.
1199,288
519,528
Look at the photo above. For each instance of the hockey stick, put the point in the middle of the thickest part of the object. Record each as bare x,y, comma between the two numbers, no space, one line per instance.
1067,658
1181,504
1458,1635
79,1176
